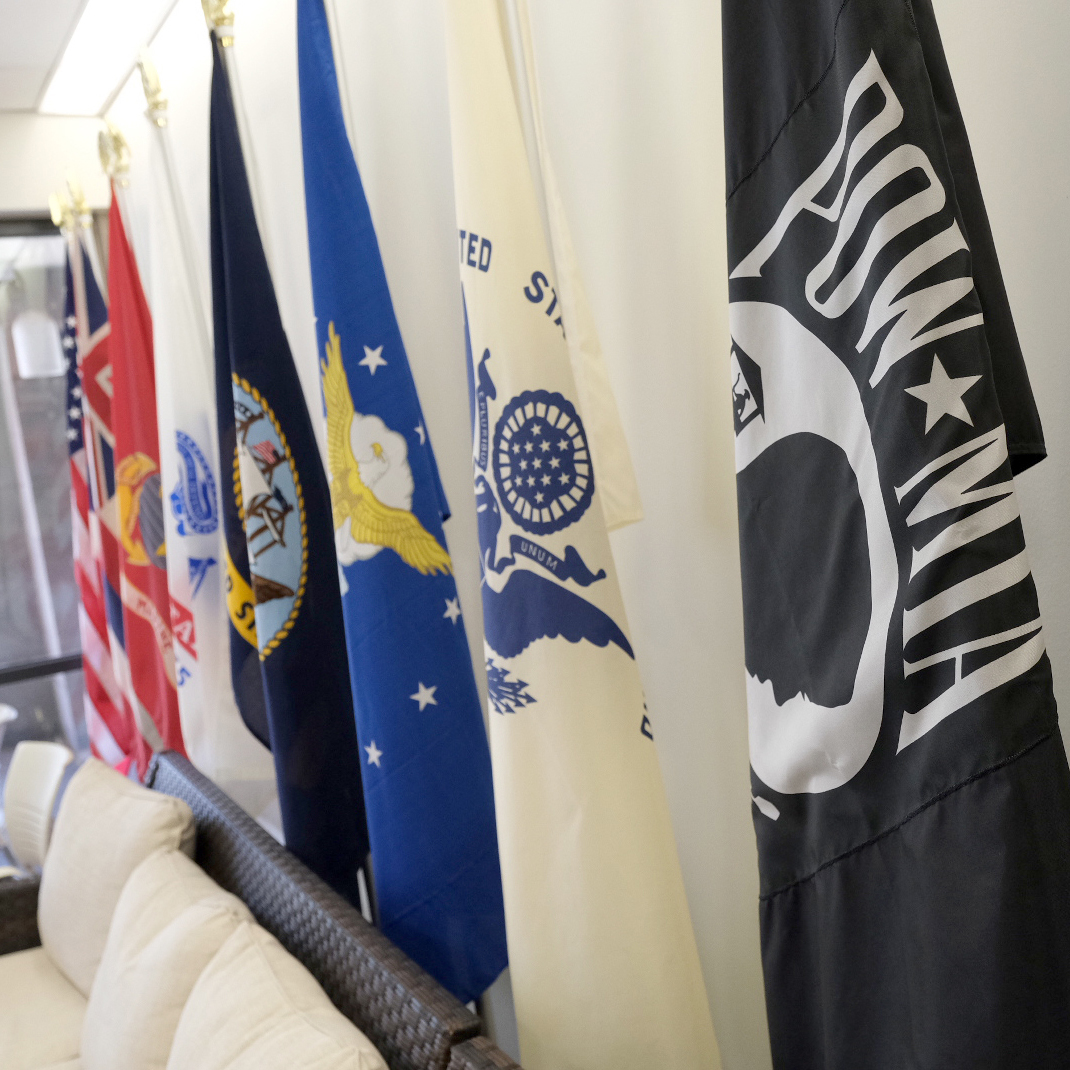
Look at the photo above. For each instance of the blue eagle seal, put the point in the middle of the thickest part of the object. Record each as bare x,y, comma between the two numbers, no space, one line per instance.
193,501
531,606
542,464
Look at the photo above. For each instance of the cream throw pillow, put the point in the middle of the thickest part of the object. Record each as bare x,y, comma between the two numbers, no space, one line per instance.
41,1012
170,921
106,826
256,1007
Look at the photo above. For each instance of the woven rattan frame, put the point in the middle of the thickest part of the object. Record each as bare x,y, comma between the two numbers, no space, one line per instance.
408,1016
18,914
480,1054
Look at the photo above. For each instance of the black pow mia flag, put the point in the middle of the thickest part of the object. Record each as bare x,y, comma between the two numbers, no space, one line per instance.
911,790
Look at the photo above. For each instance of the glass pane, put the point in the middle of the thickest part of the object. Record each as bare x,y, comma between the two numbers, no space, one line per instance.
38,594
37,705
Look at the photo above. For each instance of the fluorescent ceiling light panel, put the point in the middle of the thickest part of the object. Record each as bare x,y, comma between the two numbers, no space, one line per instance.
101,53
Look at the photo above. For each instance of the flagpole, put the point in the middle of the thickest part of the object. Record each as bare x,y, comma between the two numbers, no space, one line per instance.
83,224
156,112
220,21
63,218
115,159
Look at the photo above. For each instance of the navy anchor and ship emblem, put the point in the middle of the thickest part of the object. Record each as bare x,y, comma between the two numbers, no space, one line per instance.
538,472
271,506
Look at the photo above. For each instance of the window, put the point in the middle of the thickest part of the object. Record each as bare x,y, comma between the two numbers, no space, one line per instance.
40,677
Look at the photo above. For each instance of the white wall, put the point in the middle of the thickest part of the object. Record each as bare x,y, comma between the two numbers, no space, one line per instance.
1012,75
37,152
632,106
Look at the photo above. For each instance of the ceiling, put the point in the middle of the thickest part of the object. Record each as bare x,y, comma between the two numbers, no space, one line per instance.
34,35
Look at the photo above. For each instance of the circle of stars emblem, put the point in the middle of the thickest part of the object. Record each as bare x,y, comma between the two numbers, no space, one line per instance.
541,462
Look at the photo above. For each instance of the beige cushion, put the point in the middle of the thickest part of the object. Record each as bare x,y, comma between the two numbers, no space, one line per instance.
106,826
256,1007
40,1012
170,921
67,1064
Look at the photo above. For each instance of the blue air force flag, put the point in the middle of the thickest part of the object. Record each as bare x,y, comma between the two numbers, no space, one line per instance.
912,797
282,583
602,955
427,776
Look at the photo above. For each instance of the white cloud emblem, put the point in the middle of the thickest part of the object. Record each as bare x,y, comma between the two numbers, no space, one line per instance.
382,456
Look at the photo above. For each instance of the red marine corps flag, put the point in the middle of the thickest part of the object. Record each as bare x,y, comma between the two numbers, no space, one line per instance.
910,785
151,624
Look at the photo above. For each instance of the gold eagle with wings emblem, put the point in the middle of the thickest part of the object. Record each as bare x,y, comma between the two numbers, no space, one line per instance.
130,475
370,520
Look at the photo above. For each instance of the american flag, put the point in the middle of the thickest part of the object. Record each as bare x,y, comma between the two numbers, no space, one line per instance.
75,439
106,718
266,451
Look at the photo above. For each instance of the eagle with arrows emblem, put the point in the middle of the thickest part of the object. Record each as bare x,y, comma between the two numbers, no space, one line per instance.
371,482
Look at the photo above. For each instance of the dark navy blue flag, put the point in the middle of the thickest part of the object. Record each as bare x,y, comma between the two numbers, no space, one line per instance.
427,773
282,582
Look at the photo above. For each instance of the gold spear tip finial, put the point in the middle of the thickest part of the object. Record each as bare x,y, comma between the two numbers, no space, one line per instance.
60,210
220,20
114,153
78,198
150,82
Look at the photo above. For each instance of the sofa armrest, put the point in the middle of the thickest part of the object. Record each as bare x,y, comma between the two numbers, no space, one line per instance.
406,1014
479,1053
18,914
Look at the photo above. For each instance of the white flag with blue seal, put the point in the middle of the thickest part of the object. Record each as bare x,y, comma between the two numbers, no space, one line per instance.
603,960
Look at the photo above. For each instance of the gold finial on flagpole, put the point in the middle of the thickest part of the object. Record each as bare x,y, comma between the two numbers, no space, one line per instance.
220,20
83,215
82,222
61,212
150,82
114,154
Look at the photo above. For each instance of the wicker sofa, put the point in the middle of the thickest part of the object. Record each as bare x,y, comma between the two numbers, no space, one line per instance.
413,1022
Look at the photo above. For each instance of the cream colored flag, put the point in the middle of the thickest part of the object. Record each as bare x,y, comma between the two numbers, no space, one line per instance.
617,485
604,966
216,738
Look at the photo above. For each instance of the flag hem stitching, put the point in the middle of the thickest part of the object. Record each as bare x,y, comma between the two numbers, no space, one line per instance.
791,115
910,817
